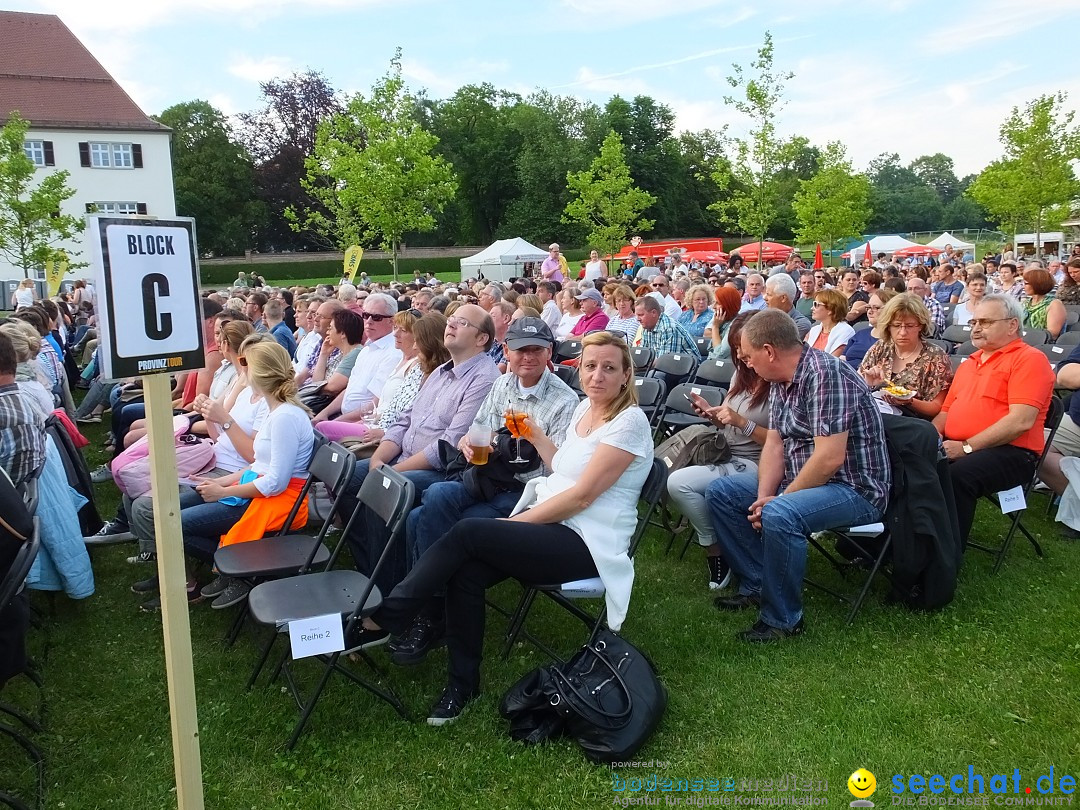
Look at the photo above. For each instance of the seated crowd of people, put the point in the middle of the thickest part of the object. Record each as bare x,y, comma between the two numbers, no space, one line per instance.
396,370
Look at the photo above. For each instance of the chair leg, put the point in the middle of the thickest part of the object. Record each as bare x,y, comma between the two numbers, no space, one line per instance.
35,754
528,596
237,625
869,581
21,716
12,801
263,656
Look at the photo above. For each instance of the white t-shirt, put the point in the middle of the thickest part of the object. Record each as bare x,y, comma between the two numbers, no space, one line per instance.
567,322
608,523
839,336
373,367
551,315
248,413
223,377
594,270
282,449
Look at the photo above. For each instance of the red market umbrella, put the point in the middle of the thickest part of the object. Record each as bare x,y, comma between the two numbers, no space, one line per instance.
770,251
917,250
819,262
868,255
710,256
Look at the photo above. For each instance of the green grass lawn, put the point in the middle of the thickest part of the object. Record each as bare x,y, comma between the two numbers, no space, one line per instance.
992,681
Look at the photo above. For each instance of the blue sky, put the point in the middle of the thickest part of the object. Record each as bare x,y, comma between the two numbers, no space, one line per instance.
907,76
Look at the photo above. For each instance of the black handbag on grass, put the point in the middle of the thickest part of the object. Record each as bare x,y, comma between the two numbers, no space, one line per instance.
607,698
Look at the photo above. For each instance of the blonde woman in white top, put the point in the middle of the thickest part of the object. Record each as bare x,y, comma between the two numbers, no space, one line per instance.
578,527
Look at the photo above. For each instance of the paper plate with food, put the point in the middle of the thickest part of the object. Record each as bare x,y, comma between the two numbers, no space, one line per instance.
897,391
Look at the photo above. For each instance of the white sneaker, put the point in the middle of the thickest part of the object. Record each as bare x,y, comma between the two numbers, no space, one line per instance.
143,557
101,474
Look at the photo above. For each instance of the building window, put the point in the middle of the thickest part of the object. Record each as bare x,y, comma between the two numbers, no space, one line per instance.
117,208
111,156
35,150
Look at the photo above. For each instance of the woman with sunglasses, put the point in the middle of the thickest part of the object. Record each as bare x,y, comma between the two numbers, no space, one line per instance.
357,422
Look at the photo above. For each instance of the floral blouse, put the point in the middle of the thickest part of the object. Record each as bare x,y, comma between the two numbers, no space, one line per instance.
404,397
1068,293
928,375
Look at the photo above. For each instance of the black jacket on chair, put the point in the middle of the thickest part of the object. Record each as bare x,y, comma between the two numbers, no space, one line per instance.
921,516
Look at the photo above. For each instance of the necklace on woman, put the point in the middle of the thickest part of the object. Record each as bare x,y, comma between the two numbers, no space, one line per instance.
904,359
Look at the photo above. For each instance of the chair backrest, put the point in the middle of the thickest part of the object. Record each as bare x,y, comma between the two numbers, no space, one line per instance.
642,357
716,372
957,333
964,349
651,492
1035,337
389,495
650,391
676,364
677,398
331,465
20,566
1054,353
1068,339
1071,316
858,327
944,345
567,349
569,375
704,346
956,360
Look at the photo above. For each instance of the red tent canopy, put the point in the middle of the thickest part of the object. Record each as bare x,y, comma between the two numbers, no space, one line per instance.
663,248
917,250
771,251
710,256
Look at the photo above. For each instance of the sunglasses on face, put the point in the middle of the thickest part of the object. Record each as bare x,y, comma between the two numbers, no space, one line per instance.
371,316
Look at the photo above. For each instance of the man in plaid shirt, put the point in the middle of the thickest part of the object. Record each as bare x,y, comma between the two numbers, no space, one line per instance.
824,465
659,332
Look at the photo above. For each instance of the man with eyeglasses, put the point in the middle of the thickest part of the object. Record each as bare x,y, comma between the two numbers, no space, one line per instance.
550,403
375,363
992,418
442,411
324,314
661,285
253,309
917,285
552,267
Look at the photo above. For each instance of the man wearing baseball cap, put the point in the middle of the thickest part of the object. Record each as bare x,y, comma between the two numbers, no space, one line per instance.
529,387
594,317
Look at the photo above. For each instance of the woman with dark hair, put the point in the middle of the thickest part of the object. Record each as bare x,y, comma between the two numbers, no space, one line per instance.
1041,309
578,527
337,356
743,419
1068,292
728,303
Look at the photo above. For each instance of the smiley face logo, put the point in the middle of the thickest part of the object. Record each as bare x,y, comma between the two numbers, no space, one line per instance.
862,783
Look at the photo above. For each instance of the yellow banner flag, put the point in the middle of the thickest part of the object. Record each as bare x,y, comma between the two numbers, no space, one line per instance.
54,274
352,261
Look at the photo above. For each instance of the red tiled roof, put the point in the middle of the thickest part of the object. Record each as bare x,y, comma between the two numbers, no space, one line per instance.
53,81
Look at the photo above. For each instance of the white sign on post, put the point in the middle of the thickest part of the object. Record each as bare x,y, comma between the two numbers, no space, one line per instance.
150,318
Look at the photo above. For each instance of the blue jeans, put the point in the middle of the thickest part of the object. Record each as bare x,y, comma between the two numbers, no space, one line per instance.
204,523
368,536
444,504
771,563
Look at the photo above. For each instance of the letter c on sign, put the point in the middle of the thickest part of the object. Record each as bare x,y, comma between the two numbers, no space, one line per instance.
158,326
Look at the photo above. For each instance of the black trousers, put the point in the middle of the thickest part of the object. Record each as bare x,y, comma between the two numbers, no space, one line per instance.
474,555
985,472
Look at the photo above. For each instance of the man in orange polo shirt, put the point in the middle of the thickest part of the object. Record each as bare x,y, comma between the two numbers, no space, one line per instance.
992,419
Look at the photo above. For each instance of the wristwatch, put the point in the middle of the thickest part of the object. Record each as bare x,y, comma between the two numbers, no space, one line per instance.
967,447
226,425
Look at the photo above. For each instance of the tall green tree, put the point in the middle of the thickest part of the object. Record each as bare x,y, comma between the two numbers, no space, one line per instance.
900,201
938,172
213,178
751,175
605,200
833,203
31,224
1034,180
384,179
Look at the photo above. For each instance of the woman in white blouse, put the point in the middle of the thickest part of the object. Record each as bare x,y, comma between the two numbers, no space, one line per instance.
578,527
831,332
282,452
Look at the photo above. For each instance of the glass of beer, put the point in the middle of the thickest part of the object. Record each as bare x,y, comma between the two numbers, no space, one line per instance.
515,423
480,443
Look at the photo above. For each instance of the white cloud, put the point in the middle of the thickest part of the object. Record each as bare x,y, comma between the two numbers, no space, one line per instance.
587,75
260,70
615,12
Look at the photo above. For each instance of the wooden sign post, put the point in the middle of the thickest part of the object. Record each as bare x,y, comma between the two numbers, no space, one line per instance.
150,325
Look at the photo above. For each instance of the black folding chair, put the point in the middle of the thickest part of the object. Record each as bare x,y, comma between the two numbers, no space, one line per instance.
289,554
651,392
965,349
567,350
564,594
569,375
1053,420
704,346
957,334
674,368
716,372
349,594
867,548
678,412
642,357
1035,337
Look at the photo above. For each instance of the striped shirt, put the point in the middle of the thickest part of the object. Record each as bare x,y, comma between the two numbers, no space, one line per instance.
937,315
826,397
22,438
668,337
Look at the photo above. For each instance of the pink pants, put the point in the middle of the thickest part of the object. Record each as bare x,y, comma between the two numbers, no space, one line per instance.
336,429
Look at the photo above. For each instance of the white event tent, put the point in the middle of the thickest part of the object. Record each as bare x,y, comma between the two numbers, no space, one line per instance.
948,239
879,244
502,260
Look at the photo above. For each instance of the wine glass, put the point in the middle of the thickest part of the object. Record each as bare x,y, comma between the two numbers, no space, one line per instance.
515,423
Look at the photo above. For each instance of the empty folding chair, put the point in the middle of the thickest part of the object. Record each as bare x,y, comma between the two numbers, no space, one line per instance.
1054,353
957,334
642,358
567,350
867,547
1068,339
569,375
678,412
1034,337
704,346
651,393
674,368
345,593
964,349
716,372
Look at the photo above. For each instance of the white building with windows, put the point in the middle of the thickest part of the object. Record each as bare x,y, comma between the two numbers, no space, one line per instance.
81,120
